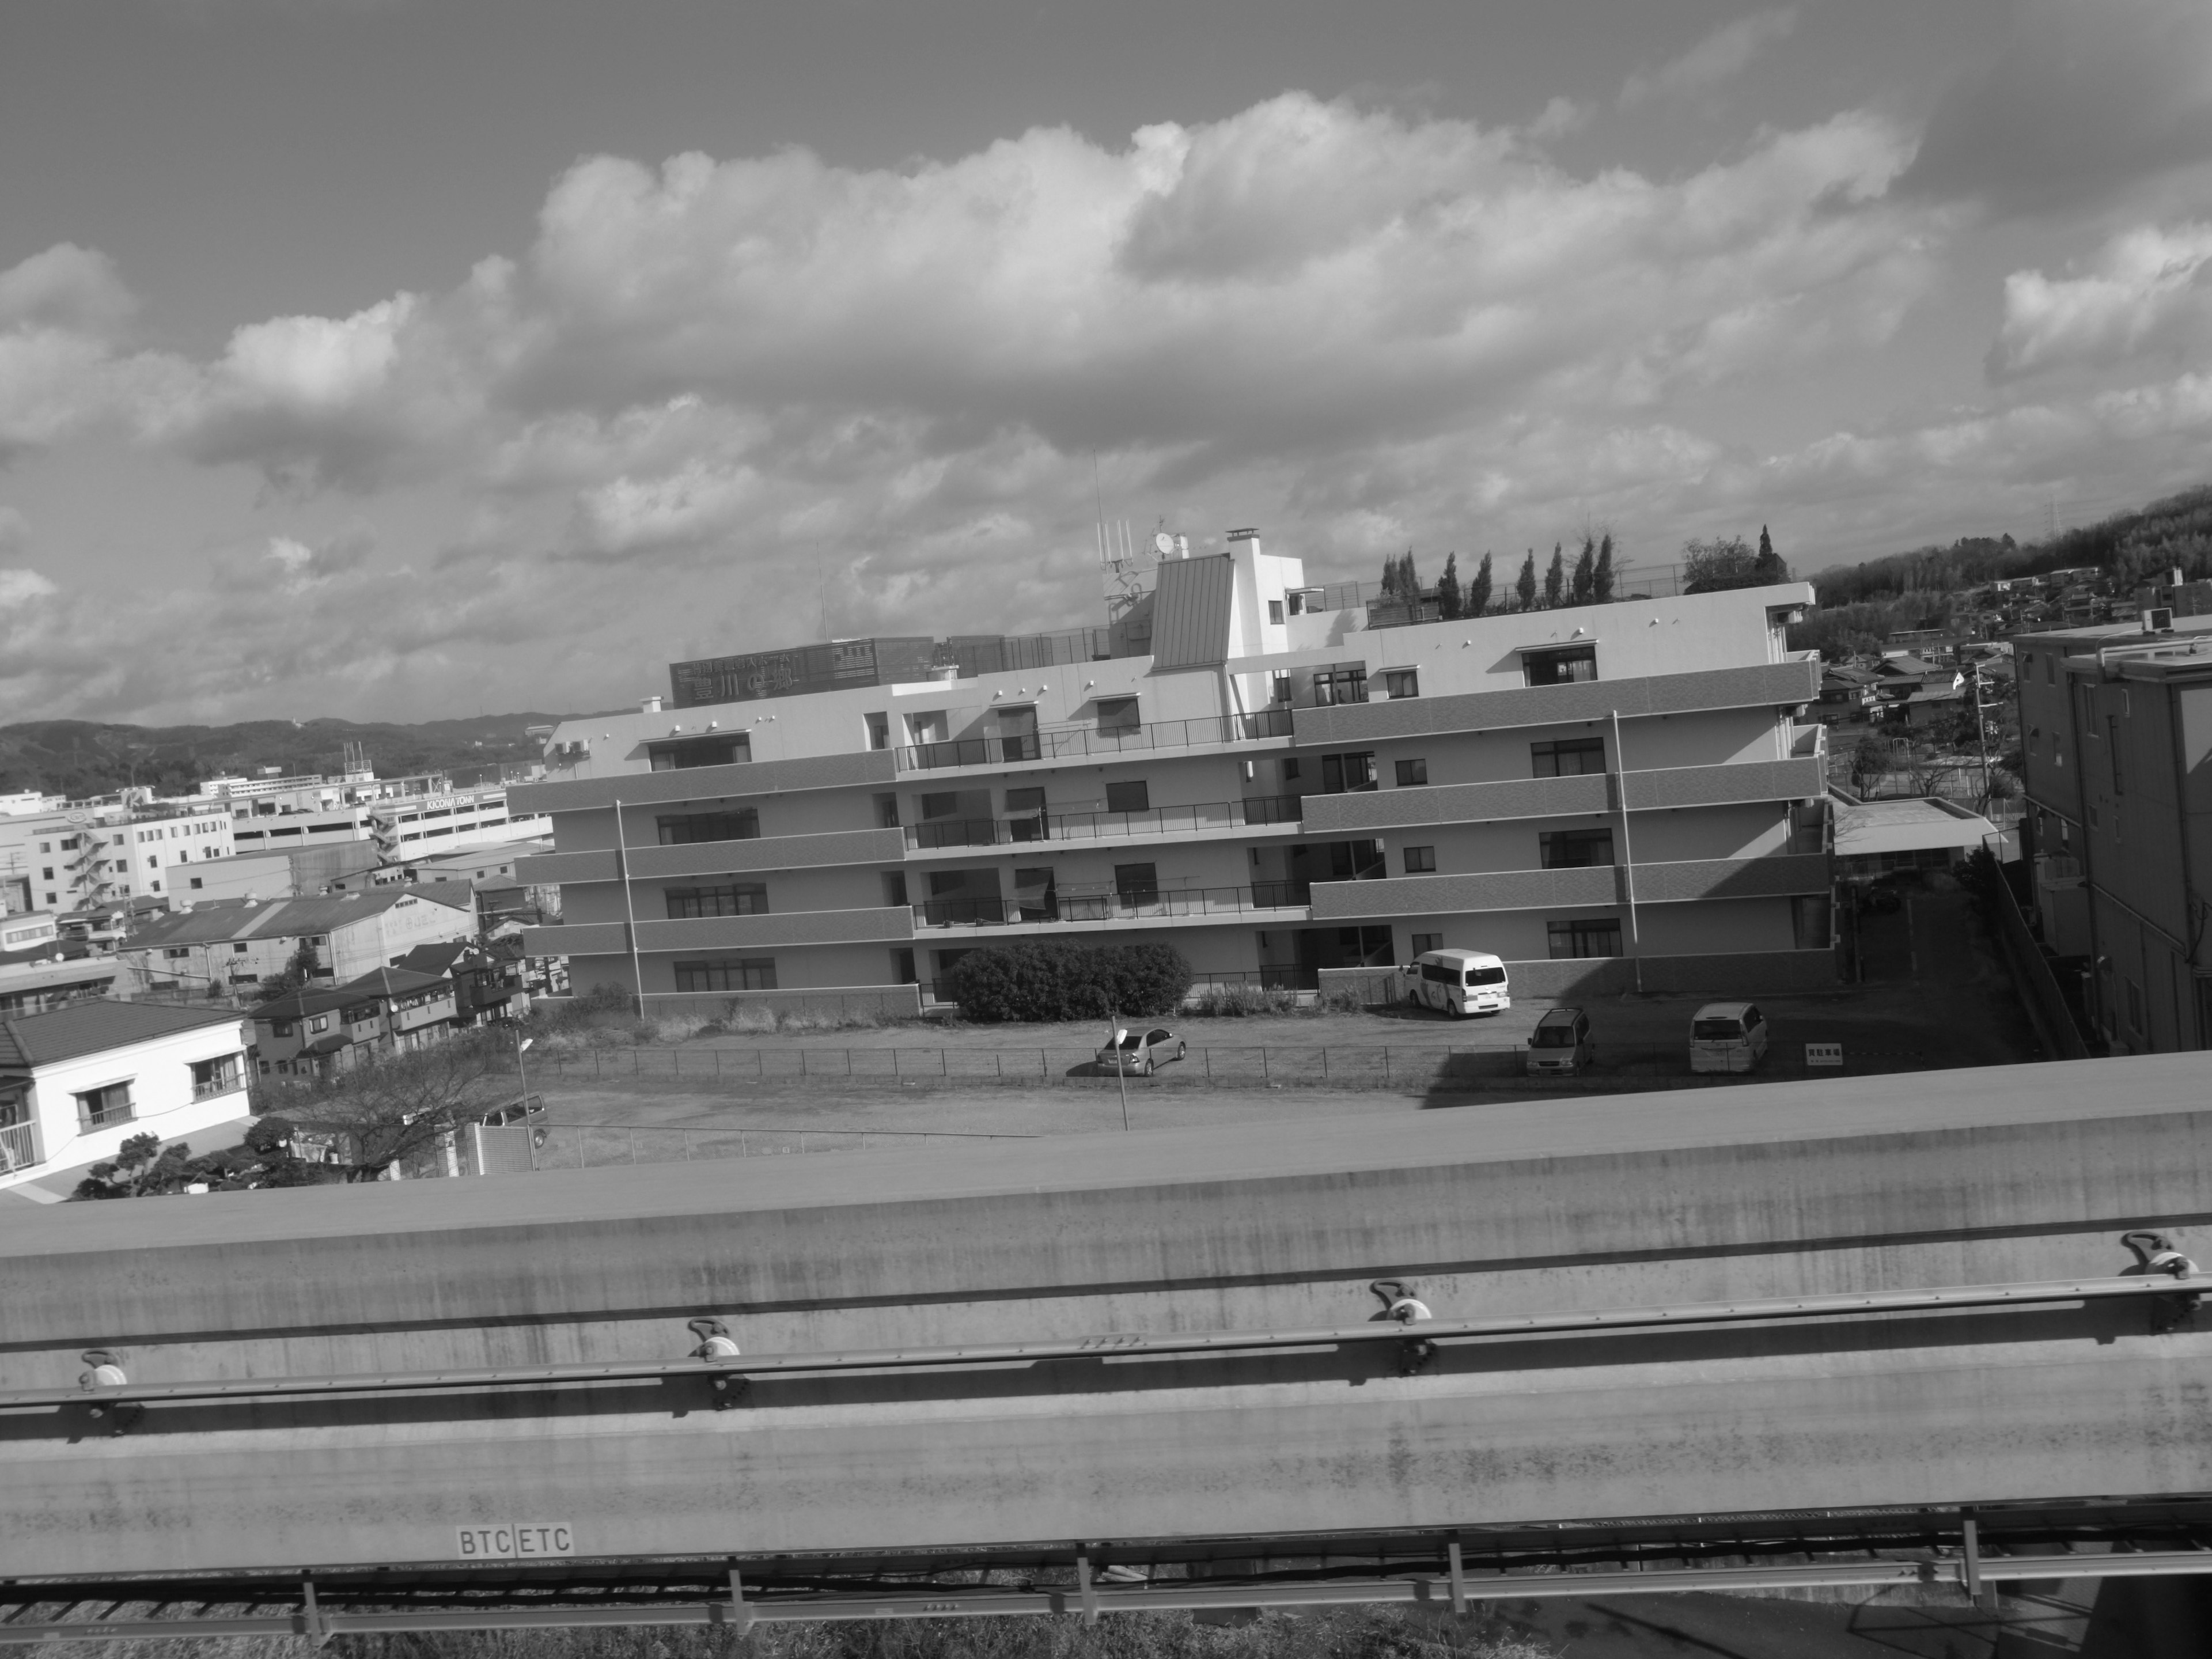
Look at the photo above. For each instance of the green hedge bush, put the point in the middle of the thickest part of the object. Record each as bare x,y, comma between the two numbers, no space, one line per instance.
1053,980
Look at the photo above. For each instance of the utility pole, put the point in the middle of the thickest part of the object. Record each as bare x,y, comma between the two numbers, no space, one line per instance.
1981,735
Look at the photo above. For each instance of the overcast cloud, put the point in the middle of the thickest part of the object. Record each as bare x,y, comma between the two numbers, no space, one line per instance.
716,402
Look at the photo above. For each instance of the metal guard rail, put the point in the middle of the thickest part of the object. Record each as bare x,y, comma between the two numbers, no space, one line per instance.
1129,1344
1090,1598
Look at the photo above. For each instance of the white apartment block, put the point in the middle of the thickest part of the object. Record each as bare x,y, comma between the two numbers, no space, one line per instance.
1608,796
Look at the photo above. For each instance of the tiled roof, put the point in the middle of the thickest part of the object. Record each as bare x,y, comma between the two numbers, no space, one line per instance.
298,1004
223,919
393,982
437,959
92,1027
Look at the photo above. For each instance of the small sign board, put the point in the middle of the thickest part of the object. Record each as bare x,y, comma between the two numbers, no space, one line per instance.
1823,1053
515,1541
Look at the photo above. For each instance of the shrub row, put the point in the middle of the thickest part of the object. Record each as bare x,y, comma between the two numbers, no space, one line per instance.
1026,980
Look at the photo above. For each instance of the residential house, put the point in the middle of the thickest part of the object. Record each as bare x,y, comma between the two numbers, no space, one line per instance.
232,944
321,1033
77,1081
1606,795
487,982
1877,837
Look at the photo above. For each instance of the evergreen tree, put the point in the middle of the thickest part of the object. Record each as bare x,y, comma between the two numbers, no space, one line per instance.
1585,586
1767,567
1389,575
1448,595
1555,579
1525,588
1409,581
1601,578
1478,591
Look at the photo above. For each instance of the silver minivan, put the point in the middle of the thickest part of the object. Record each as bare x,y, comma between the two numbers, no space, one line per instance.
1727,1037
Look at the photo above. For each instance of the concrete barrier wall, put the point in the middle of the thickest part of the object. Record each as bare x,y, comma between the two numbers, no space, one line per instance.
2043,1003
1767,973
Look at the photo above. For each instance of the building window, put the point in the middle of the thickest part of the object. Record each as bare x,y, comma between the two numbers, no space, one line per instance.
1566,757
1275,612
279,1028
879,731
1132,796
1290,771
1402,682
1575,849
1585,939
176,953
1424,943
239,948
943,806
1412,774
729,898
700,752
887,812
1118,715
687,829
217,1076
1351,774
1335,685
98,1107
1281,692
319,1024
1812,919
1137,881
902,967
1420,861
895,890
727,974
1562,665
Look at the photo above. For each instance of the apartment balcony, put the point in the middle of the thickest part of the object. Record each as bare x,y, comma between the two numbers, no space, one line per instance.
1590,793
1810,743
651,861
1763,686
1078,742
887,924
735,781
19,1146
1776,876
1195,903
1160,822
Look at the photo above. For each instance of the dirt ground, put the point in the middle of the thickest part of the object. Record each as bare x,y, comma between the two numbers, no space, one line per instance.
1936,995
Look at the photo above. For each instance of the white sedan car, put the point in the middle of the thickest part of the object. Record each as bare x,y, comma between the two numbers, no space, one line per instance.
1142,1052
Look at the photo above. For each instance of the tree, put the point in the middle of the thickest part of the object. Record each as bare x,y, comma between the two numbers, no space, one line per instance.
297,971
1585,579
1766,565
1601,578
397,1110
1715,565
1447,594
1555,579
1524,589
140,1167
1478,591
1399,581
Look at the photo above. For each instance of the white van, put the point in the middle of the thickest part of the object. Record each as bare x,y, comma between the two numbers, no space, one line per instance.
1727,1037
1457,982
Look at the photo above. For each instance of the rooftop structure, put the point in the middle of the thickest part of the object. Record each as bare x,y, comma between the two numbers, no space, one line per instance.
1605,795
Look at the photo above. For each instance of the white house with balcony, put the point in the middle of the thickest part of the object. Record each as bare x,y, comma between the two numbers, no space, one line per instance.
78,1081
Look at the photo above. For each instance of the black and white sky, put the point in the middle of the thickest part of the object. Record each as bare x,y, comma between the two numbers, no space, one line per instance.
400,358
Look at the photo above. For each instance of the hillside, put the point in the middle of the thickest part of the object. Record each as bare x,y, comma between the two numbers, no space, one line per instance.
87,757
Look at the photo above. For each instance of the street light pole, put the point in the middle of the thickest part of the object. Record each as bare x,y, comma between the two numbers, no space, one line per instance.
520,1043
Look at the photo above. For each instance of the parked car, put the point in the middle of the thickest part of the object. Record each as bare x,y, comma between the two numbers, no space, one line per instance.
1727,1037
1142,1052
1561,1043
1457,982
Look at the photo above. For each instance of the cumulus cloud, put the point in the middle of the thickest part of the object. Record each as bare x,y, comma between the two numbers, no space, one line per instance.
1720,56
2081,101
2150,289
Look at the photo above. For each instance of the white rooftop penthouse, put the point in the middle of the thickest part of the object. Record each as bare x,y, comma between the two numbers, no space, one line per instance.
1605,795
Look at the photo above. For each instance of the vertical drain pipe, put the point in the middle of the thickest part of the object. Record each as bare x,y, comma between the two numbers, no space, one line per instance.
629,912
1627,851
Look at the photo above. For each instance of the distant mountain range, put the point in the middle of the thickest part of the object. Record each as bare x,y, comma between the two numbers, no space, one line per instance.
89,757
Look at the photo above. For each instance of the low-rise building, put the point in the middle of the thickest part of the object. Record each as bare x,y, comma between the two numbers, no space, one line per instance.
488,981
232,946
1878,837
76,1082
320,1033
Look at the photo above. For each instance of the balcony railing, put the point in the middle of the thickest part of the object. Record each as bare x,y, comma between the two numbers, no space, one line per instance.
1114,907
102,1117
19,1146
1104,826
1088,740
219,1085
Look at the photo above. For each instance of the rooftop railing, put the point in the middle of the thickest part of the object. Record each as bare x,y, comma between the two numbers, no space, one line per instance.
1094,740
1112,907
1104,826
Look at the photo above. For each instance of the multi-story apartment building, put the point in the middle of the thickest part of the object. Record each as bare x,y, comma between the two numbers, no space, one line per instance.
1608,796
2116,727
100,852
